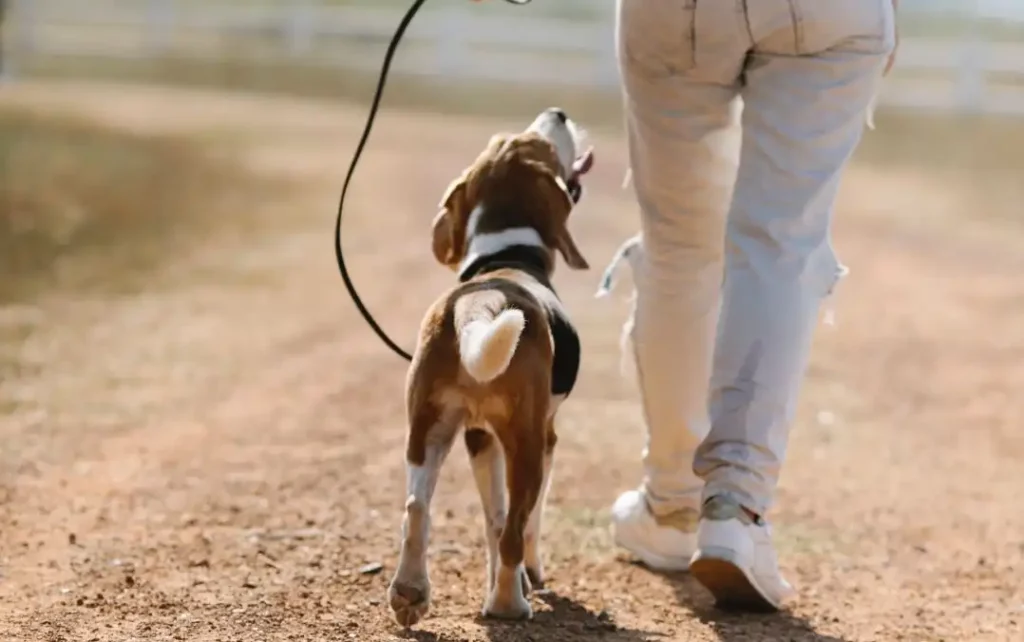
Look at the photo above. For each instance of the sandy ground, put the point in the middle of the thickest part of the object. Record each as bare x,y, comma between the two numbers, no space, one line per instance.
219,457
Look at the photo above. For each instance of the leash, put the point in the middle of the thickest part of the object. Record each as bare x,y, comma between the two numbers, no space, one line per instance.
339,255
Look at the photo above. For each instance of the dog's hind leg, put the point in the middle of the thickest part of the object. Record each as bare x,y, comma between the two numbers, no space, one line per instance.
431,434
534,564
523,443
488,463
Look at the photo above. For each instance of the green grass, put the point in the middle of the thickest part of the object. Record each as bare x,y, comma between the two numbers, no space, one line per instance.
978,146
989,143
596,106
82,206
985,152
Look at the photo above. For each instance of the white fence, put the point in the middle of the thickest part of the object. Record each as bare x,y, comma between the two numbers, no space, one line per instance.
453,39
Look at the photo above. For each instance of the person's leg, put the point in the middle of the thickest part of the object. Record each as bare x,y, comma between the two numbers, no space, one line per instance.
682,127
803,117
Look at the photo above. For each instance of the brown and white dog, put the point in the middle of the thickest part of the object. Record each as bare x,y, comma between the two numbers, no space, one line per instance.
496,355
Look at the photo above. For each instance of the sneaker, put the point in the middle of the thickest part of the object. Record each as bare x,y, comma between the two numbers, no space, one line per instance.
735,559
663,543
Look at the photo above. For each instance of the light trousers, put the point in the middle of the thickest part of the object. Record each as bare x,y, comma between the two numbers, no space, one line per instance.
741,116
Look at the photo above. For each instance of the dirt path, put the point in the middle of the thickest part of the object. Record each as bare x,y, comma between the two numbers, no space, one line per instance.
218,458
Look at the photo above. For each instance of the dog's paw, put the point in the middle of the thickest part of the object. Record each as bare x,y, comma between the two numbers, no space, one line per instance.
517,608
409,601
508,599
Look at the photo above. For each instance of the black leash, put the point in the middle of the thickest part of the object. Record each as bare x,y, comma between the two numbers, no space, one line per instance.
339,255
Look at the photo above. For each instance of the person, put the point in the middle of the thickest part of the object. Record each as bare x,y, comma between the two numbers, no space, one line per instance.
735,257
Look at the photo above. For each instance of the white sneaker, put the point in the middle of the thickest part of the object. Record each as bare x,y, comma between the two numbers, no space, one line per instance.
735,559
663,543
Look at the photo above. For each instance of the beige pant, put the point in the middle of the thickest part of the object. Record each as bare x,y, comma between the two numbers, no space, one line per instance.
802,73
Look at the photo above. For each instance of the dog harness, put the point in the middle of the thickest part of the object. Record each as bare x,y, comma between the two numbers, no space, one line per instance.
533,261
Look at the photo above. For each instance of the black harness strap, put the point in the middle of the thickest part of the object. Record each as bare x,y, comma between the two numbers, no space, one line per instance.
526,258
533,260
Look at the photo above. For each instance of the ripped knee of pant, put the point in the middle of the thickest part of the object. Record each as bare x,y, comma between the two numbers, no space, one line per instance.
629,252
838,274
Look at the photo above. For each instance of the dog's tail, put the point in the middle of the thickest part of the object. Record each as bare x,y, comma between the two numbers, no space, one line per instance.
488,337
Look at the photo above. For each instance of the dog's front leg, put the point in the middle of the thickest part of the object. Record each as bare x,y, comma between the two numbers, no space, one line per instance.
430,440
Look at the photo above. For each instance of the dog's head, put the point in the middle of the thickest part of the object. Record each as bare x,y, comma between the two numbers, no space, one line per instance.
521,186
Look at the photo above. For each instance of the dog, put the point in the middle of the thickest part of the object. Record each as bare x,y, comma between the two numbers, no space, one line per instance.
495,357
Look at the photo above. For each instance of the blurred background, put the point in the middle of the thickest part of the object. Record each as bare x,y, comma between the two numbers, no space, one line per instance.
953,104
957,55
188,398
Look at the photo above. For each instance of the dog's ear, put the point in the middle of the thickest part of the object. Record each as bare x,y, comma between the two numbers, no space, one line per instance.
560,204
449,227
458,201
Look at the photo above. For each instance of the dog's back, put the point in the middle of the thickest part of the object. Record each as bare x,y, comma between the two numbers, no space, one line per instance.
483,344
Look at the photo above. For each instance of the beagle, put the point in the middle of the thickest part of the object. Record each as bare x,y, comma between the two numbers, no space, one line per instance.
495,356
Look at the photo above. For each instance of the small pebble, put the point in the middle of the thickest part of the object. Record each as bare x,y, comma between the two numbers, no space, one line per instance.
371,569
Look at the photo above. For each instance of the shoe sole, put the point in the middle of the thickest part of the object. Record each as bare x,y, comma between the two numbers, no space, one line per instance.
730,586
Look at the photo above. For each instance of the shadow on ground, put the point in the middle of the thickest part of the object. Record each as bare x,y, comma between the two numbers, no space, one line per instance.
567,619
741,627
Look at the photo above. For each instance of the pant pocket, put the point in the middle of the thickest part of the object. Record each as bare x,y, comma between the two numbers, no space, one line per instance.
656,38
863,26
